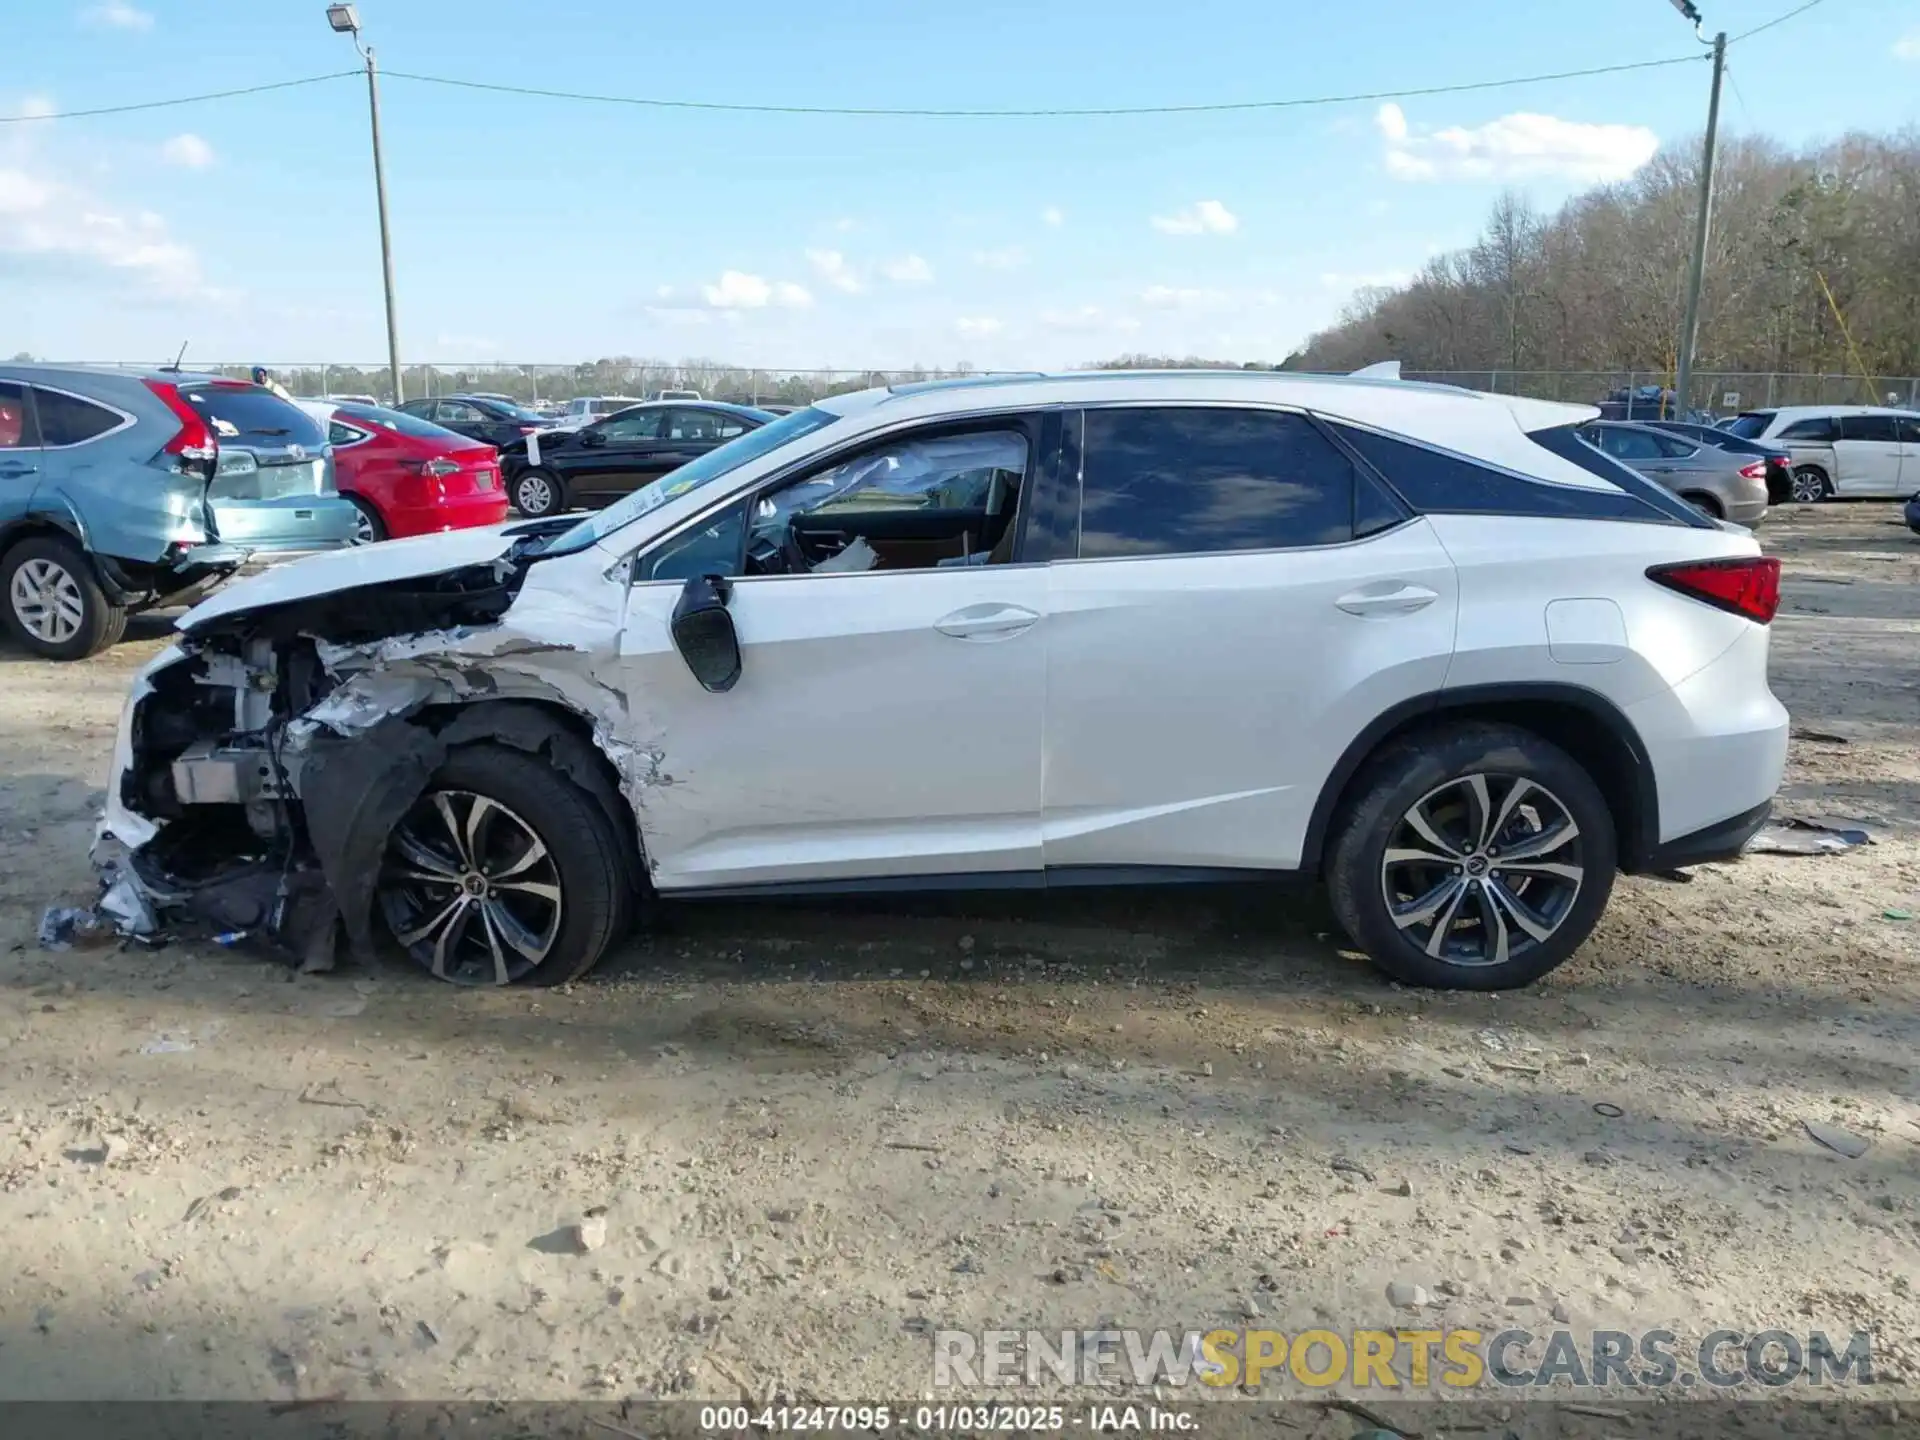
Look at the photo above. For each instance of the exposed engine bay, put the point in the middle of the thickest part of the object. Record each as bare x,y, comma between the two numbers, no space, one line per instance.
264,760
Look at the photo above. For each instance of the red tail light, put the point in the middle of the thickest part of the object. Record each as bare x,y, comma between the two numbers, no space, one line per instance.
195,440
1748,587
1756,471
441,466
528,429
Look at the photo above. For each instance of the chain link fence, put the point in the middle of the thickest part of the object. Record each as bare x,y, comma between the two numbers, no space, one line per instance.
1634,392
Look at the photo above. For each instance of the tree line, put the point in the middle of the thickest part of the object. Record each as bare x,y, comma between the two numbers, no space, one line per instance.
1813,266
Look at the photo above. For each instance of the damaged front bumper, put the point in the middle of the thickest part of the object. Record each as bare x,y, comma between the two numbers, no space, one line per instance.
263,761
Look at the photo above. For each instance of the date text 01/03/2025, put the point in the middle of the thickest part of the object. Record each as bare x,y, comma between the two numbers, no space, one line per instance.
1011,1419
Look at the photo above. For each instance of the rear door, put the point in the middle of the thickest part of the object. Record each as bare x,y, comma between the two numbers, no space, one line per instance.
614,456
1240,603
19,451
1867,457
1908,428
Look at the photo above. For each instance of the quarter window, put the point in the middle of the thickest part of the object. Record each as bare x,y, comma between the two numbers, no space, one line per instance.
703,426
1908,429
16,425
1201,481
69,420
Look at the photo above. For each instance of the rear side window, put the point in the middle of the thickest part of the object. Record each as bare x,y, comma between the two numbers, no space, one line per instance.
1908,429
69,420
16,423
1673,447
1205,481
250,415
1435,482
1752,425
1820,429
1877,428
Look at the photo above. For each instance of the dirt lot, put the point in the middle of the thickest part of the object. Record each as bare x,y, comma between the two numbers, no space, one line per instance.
818,1132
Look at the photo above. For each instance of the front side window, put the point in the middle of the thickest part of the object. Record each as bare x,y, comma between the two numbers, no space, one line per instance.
458,412
1628,444
16,426
68,420
1819,430
632,425
1199,481
1879,429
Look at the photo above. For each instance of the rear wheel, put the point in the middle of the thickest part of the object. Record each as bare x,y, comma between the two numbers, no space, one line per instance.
504,872
1705,504
1476,857
55,605
1810,485
368,527
539,493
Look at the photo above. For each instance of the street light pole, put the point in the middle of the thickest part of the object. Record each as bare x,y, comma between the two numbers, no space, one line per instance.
346,20
1703,220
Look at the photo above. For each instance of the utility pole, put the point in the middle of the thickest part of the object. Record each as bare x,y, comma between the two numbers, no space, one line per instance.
1703,223
346,20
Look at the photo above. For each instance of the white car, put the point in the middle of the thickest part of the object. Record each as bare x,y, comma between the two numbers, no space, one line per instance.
583,410
1842,451
1082,629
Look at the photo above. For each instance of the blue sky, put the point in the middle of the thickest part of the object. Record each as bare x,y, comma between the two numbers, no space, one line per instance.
539,230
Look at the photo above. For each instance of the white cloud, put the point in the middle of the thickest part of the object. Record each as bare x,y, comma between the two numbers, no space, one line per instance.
1007,257
1053,217
45,218
1208,217
1514,147
34,107
738,290
117,15
832,267
1175,297
188,151
978,325
908,270
1907,47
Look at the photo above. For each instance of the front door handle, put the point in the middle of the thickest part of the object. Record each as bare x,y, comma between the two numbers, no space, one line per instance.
1388,597
12,472
992,621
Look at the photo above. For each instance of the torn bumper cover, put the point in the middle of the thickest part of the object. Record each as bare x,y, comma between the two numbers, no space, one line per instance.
263,762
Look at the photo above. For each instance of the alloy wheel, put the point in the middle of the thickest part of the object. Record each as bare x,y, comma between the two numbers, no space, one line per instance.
363,528
47,600
470,889
1482,869
1809,487
533,495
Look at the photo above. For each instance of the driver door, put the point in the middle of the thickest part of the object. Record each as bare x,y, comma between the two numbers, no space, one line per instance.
887,722
612,457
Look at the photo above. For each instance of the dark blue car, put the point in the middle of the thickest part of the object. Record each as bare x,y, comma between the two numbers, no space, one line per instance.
121,490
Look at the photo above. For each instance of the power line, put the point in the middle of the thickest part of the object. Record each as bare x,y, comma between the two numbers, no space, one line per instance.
178,100
1219,107
1780,20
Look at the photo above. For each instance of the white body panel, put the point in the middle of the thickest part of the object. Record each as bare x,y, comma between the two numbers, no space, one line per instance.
1196,704
1867,468
1859,469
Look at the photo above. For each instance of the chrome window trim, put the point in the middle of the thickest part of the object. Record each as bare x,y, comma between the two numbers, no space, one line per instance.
127,419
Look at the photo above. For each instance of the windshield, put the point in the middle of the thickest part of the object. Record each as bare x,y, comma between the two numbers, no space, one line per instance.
509,409
396,421
1749,425
695,473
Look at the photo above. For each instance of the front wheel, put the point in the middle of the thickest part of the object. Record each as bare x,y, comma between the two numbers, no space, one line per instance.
504,873
1810,485
1477,857
538,494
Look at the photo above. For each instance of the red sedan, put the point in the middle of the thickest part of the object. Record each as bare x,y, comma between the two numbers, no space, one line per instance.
408,477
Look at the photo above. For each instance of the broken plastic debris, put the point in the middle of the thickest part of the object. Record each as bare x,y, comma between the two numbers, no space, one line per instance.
1841,1142
62,927
167,1045
855,558
128,910
229,938
1807,837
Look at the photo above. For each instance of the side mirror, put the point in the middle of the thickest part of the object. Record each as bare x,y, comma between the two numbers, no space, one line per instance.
593,437
703,632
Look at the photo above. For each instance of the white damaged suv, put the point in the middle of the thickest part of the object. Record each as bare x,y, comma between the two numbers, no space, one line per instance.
1013,631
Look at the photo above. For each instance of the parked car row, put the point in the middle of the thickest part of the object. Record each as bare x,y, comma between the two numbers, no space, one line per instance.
550,471
406,476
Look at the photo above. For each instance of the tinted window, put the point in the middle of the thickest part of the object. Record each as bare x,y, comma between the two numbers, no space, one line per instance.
712,549
1879,429
1628,444
1438,483
633,425
1202,481
1751,425
507,410
1909,430
338,434
16,427
458,412
703,425
401,422
253,416
1674,448
68,420
421,408
1820,428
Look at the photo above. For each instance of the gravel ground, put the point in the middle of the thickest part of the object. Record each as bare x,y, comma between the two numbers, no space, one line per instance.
819,1131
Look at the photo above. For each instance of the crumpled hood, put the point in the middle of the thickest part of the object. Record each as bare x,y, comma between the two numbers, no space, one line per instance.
351,568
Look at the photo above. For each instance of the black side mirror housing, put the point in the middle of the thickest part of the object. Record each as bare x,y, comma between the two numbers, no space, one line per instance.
593,437
703,632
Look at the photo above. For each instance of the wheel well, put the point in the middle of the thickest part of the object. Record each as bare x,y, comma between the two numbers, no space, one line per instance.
1580,722
1704,501
35,527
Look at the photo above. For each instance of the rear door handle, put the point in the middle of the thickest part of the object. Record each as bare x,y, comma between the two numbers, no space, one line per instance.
991,621
14,471
1388,597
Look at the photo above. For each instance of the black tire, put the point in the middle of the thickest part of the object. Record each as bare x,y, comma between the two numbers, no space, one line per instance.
539,493
372,528
101,622
1705,504
583,860
1415,770
1811,485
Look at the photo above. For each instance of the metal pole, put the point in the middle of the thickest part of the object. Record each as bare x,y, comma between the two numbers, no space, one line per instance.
1690,326
386,239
